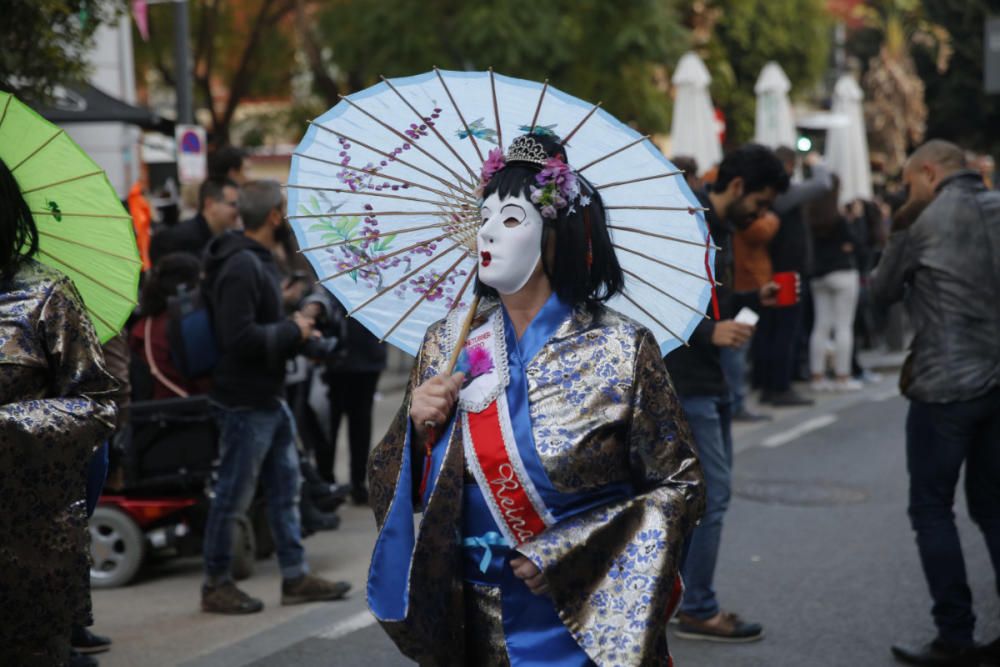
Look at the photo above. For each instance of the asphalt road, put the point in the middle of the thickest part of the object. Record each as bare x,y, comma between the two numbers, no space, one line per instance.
817,547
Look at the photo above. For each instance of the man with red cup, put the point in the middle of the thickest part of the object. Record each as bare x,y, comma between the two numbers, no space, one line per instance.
748,180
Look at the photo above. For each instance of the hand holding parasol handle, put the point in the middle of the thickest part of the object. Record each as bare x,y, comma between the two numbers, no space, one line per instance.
432,434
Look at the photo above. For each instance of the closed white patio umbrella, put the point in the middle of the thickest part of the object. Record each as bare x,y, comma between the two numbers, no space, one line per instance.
847,146
694,130
773,124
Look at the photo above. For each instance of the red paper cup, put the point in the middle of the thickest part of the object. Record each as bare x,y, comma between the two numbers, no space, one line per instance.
788,287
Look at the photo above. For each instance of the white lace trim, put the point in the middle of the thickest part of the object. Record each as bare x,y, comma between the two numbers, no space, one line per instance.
501,368
514,454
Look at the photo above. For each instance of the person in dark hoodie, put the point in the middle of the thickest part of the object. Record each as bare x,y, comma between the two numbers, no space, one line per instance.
749,179
257,430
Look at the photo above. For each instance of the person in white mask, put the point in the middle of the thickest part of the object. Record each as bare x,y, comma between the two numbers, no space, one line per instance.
562,479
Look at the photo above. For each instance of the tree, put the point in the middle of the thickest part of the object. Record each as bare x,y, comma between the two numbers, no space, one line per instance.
736,38
44,42
614,52
895,108
958,108
238,50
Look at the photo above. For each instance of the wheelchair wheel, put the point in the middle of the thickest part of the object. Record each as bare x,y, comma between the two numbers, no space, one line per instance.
117,547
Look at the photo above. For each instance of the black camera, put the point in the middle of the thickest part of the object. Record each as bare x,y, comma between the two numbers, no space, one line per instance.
321,349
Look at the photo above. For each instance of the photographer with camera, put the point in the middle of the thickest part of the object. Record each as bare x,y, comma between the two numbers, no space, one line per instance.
244,289
352,370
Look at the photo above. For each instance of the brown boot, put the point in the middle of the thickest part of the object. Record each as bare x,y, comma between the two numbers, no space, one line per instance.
309,588
723,627
226,598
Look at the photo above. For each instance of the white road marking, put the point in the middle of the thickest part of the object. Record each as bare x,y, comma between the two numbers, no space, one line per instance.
796,432
359,621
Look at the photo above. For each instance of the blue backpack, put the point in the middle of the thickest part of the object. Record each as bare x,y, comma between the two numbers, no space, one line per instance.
194,350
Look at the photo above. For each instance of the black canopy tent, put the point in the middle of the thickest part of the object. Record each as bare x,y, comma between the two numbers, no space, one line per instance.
83,103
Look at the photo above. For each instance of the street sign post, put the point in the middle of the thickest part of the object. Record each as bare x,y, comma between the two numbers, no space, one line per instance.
192,162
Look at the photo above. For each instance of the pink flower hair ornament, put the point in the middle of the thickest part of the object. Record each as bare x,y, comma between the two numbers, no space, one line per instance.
495,161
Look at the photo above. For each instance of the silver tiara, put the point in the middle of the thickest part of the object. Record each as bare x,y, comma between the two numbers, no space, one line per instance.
527,149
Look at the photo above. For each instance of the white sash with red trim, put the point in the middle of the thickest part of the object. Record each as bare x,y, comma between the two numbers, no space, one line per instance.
491,452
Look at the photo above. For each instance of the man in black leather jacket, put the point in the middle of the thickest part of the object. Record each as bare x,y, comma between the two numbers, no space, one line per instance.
946,268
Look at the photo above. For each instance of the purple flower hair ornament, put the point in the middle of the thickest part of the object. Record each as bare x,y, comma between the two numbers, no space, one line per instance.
557,187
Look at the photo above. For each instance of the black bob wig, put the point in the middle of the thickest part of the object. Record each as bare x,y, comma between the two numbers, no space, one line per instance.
567,269
18,233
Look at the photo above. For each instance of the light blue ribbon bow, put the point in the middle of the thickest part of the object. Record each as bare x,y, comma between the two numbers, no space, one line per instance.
485,542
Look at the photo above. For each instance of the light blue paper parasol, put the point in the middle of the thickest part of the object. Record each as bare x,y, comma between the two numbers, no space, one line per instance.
381,198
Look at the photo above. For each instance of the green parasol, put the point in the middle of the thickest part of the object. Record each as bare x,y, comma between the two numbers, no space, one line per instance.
84,231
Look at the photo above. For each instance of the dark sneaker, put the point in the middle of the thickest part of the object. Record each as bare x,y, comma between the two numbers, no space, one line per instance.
723,627
84,641
309,588
938,654
225,598
77,659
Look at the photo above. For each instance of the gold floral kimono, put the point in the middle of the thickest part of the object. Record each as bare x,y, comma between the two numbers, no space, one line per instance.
614,475
55,410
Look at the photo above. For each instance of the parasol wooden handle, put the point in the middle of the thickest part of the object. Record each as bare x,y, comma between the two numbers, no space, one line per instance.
431,426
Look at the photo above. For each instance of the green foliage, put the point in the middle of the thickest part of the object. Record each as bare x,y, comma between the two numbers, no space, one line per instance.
749,33
43,40
597,50
959,109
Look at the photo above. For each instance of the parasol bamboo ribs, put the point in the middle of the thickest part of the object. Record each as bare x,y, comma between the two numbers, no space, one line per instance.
612,153
664,292
437,225
534,119
580,124
431,126
400,281
606,186
496,109
381,258
654,318
42,232
666,237
378,174
408,140
389,156
35,151
461,117
365,193
662,263
423,297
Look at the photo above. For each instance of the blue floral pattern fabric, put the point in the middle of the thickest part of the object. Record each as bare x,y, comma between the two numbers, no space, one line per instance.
603,411
56,408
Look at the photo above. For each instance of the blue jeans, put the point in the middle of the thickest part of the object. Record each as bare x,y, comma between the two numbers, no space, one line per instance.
734,369
940,437
710,418
255,444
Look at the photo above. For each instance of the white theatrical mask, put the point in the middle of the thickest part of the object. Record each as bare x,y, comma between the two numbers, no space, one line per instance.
509,242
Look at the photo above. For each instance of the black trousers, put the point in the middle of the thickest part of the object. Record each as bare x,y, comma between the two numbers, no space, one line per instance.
351,394
774,348
940,437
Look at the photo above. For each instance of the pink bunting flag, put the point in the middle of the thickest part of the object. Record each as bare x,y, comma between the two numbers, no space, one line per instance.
140,12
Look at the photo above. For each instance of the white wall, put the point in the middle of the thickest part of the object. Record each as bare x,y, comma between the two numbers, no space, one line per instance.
114,146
